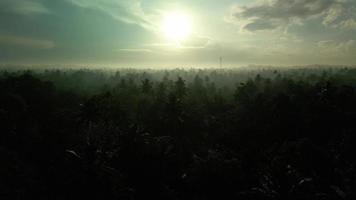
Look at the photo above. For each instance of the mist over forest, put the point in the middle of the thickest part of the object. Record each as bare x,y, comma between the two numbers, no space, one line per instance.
246,133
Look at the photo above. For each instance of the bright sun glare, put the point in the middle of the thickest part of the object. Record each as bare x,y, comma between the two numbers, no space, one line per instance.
176,26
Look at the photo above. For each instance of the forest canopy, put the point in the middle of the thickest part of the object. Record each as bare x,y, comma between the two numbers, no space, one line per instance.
263,133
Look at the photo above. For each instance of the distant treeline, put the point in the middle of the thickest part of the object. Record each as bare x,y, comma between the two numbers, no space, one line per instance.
178,134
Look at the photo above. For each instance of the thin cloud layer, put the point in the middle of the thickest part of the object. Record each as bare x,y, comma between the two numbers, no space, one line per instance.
130,12
26,42
331,47
23,7
274,14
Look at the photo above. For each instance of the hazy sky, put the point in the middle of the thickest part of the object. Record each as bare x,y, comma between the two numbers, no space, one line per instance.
129,32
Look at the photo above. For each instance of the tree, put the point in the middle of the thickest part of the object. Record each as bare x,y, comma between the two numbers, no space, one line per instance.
180,89
146,86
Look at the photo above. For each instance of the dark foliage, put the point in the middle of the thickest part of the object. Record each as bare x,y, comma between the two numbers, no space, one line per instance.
199,134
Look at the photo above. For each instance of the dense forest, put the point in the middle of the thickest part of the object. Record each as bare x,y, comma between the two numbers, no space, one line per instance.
250,134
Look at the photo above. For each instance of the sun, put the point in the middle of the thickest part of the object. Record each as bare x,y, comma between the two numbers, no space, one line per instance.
176,26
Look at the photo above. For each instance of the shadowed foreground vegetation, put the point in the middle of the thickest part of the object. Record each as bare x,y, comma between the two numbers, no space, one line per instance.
178,134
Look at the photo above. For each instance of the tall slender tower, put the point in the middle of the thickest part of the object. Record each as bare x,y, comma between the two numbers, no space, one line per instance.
221,60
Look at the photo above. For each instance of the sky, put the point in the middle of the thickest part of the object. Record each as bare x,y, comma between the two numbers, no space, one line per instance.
128,33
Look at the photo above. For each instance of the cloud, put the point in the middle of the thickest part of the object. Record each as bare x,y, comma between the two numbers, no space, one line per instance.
260,24
193,42
196,42
334,48
274,14
130,12
23,7
135,50
25,42
341,15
